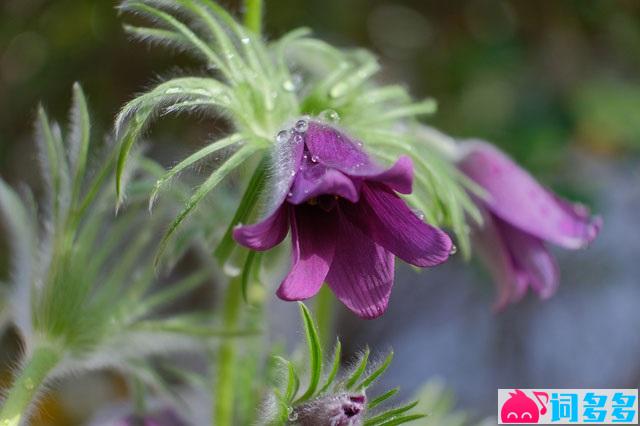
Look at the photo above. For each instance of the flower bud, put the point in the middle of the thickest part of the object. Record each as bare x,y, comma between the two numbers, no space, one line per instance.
345,409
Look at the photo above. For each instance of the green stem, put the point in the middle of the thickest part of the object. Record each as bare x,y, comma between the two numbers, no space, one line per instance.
28,383
324,316
253,15
224,392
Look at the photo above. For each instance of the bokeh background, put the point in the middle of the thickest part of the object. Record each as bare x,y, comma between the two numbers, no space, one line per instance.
556,83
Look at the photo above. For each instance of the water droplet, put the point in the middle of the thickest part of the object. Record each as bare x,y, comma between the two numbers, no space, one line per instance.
359,144
419,214
283,136
454,250
290,194
330,115
28,384
245,40
298,138
173,90
231,269
315,158
305,156
288,86
338,90
293,416
293,173
301,126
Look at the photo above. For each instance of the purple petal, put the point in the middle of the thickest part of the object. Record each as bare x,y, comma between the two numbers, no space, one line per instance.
361,275
315,179
533,259
491,247
398,177
313,240
265,234
387,219
517,198
334,149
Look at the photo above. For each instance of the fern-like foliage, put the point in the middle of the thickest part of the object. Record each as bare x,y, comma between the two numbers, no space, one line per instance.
262,87
83,284
325,383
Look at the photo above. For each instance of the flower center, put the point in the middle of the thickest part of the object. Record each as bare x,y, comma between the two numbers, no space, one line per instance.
326,202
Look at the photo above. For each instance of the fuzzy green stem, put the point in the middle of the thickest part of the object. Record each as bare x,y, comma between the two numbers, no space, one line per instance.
28,383
324,315
224,391
253,15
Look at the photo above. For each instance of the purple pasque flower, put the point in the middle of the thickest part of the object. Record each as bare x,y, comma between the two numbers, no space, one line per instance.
520,215
331,410
346,220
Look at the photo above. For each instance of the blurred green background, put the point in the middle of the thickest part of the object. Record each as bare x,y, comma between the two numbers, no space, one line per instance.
534,77
543,79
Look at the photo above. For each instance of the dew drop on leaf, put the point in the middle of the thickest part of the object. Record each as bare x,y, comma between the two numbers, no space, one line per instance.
330,116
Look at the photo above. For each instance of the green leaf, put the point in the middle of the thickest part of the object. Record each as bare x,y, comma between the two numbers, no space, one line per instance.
79,139
211,182
402,420
191,160
249,272
334,367
390,414
382,398
377,373
357,373
181,29
293,382
315,353
245,208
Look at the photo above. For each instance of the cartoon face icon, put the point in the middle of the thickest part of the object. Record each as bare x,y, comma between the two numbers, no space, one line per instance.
519,408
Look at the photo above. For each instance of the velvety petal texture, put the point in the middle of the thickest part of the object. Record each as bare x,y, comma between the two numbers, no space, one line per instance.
347,222
520,215
515,197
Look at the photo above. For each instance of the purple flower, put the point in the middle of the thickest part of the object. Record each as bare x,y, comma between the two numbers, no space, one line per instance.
331,410
346,221
519,217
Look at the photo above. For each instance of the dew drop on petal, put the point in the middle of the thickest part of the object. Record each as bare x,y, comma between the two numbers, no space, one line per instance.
28,384
454,250
283,136
419,214
290,194
315,158
301,126
298,138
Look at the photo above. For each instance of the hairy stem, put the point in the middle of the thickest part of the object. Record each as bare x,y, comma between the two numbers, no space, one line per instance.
324,315
253,15
27,385
224,392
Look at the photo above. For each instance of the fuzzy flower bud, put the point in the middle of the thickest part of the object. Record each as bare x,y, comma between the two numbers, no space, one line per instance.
345,409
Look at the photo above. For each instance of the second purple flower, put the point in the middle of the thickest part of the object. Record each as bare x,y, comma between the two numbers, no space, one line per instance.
347,222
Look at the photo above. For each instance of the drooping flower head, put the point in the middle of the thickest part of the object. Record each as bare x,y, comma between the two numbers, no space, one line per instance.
520,215
347,222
